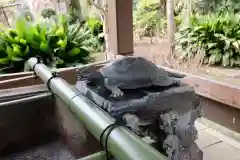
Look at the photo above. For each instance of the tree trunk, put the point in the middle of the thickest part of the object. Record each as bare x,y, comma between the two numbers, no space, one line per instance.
37,6
170,25
76,8
101,5
67,5
163,4
189,12
105,28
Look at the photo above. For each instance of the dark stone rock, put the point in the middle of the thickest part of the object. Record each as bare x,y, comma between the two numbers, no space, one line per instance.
152,100
165,114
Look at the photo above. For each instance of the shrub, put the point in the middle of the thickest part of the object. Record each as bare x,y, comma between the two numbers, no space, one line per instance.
147,17
47,13
218,35
59,43
96,28
212,6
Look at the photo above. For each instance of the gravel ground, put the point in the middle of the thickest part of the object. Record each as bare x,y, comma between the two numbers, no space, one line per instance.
52,151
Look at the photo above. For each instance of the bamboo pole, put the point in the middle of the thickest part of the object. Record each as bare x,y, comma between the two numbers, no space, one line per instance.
171,26
10,5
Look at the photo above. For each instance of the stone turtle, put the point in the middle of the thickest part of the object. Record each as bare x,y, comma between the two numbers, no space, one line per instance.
127,73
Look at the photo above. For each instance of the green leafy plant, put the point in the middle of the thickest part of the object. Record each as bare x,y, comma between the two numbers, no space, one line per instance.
217,35
58,42
96,28
47,13
212,6
149,17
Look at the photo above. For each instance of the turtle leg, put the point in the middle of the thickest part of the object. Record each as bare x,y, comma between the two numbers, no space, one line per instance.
176,81
116,92
112,86
133,122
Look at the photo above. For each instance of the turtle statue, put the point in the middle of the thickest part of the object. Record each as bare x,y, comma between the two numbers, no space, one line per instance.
127,73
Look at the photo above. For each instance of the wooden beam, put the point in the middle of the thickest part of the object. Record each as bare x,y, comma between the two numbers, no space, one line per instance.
217,91
10,5
120,27
16,80
221,92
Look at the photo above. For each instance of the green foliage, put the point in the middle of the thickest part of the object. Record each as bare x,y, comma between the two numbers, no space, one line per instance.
96,28
47,13
217,35
29,16
211,6
149,16
58,42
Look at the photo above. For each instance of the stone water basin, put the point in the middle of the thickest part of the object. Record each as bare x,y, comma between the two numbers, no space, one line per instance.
40,128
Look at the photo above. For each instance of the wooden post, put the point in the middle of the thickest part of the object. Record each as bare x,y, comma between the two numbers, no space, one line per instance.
120,28
6,17
170,25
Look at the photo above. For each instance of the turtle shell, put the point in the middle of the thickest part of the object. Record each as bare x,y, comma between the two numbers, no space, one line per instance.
135,72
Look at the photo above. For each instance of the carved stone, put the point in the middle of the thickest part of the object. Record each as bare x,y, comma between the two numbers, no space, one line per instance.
173,110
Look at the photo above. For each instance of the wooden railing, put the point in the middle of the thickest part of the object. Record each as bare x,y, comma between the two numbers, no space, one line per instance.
215,90
5,17
221,101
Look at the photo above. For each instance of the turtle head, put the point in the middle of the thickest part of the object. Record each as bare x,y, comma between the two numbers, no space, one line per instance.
90,74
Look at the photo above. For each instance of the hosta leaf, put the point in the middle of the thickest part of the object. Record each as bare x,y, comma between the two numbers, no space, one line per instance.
214,51
101,35
44,46
62,43
35,45
17,39
16,59
10,51
36,35
2,45
211,45
29,35
60,31
22,41
236,44
212,59
226,60
227,44
183,40
43,32
232,62
230,51
21,26
74,51
237,62
4,60
16,50
218,57
73,32
26,51
220,36
215,58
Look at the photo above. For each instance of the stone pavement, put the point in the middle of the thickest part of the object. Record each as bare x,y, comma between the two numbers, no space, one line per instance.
216,146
